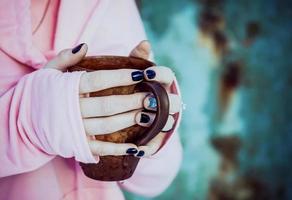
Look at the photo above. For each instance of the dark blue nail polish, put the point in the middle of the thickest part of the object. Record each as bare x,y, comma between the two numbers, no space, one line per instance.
152,102
144,118
140,154
150,74
137,75
132,151
77,48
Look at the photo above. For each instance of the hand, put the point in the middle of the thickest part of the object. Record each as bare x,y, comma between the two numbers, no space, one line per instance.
104,115
165,76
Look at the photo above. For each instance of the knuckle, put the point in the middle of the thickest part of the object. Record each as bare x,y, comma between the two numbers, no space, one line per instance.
123,75
137,99
62,53
91,81
105,106
65,58
104,125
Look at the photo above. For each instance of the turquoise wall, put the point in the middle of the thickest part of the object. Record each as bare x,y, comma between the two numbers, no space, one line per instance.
236,83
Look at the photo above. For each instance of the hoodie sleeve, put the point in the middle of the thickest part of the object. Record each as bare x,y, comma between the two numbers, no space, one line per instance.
39,119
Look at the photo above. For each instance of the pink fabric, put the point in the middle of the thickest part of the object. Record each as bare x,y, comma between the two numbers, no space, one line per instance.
41,130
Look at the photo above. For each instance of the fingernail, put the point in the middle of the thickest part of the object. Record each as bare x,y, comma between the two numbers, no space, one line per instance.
132,151
137,75
140,154
150,74
144,118
77,48
152,103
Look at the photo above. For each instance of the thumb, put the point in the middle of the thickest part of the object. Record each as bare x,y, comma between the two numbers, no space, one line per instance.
142,50
68,57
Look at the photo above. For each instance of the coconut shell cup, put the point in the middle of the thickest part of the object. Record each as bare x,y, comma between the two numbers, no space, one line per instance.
117,168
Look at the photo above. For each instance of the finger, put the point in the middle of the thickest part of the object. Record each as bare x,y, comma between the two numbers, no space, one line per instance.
103,79
110,105
106,125
175,103
161,74
146,119
101,148
68,57
151,147
142,50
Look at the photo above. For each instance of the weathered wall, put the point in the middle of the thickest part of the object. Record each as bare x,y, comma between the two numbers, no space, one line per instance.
233,62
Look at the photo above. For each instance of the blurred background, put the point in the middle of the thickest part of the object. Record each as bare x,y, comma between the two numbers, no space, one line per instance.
233,62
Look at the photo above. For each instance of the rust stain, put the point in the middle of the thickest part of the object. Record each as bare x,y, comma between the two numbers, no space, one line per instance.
230,80
252,30
210,22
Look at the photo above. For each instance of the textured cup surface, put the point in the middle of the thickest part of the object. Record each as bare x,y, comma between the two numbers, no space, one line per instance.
116,168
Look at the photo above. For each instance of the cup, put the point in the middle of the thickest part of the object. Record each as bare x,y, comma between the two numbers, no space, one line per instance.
117,168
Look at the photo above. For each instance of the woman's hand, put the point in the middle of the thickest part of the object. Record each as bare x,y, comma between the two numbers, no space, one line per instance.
107,114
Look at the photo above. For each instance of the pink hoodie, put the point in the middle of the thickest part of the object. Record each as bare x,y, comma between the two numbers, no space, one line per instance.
41,130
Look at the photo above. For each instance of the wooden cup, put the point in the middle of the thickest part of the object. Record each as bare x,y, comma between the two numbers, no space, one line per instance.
117,168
